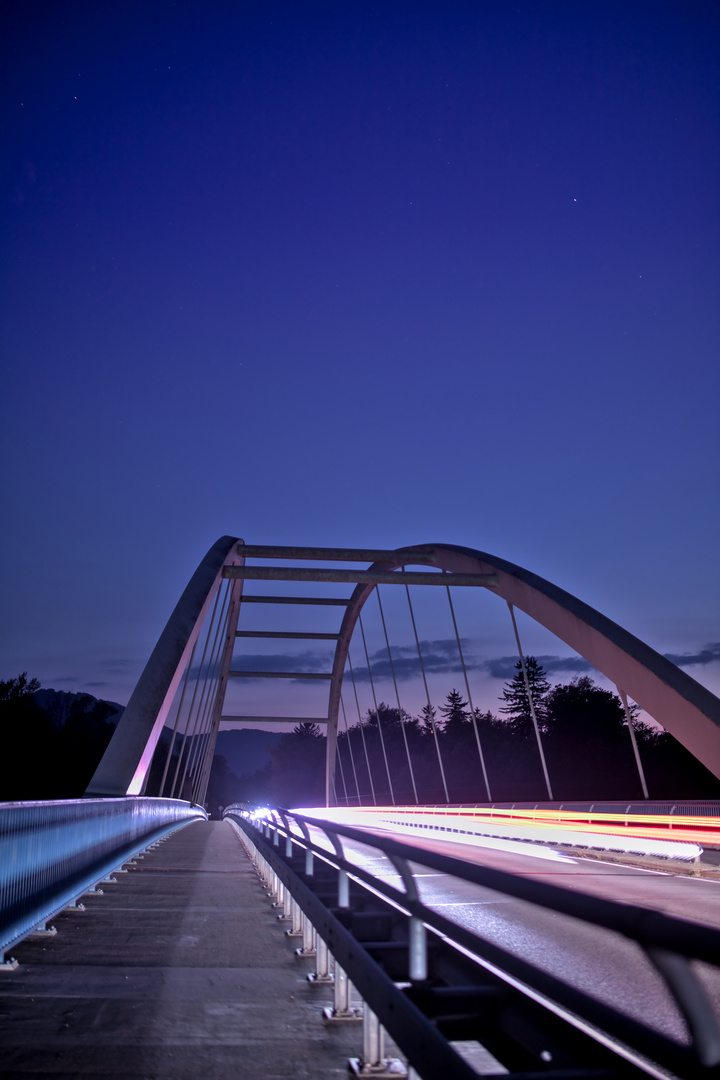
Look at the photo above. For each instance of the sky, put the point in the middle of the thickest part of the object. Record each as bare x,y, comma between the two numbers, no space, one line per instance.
356,274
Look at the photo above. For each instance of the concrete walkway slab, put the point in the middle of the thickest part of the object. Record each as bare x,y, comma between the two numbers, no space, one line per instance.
180,970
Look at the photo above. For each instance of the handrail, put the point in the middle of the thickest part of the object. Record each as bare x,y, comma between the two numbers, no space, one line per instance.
53,852
667,941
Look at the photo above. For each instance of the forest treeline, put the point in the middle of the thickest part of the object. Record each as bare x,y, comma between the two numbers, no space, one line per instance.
53,742
391,756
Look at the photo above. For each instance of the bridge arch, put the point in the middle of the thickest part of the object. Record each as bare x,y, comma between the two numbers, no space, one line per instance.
675,700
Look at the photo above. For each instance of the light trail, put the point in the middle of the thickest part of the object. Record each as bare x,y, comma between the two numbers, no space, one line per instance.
662,835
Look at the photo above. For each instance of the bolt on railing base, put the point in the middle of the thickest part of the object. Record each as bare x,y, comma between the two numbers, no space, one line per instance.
334,1016
43,932
305,954
388,1069
316,979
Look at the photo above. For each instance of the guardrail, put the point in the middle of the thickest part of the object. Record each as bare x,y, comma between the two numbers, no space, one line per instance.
430,981
53,852
617,807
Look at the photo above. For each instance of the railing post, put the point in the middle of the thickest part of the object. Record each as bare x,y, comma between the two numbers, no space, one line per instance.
343,889
418,966
308,936
417,934
342,1008
297,920
321,974
373,1062
287,906
373,1040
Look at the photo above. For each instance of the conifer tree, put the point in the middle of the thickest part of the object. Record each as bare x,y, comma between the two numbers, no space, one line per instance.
428,718
515,697
455,711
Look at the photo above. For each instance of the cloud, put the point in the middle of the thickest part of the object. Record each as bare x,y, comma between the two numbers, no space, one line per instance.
503,667
300,662
708,655
66,678
440,656
97,684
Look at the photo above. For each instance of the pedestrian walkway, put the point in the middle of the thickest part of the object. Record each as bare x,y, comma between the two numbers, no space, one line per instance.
180,970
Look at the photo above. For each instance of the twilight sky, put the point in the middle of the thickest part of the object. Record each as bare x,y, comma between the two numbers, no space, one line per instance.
356,273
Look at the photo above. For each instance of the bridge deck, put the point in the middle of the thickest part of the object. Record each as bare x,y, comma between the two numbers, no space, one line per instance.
180,971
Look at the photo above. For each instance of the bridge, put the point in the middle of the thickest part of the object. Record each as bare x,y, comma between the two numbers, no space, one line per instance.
433,940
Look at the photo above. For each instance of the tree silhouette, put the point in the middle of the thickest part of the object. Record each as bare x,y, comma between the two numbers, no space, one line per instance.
427,719
456,713
308,730
12,690
515,695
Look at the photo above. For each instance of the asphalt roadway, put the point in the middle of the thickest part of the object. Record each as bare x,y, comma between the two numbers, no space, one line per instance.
602,963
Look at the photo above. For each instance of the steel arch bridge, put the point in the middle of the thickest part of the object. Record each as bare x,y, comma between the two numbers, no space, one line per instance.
676,701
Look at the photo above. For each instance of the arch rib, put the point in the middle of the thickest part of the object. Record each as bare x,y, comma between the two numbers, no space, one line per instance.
125,763
687,710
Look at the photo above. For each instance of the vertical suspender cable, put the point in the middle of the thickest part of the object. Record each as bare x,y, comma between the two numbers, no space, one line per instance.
362,730
192,700
334,789
177,719
200,711
636,751
397,696
204,757
352,756
470,701
427,695
377,711
338,755
197,762
190,731
530,702
221,677
205,698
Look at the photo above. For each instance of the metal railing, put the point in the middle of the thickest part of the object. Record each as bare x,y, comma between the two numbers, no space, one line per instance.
619,807
430,981
53,852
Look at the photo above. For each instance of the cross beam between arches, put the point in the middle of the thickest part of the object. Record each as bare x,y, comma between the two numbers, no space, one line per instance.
370,577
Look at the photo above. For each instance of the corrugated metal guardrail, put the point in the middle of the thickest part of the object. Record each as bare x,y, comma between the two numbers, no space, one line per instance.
409,991
53,852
